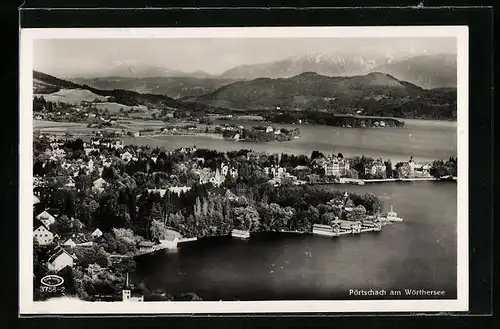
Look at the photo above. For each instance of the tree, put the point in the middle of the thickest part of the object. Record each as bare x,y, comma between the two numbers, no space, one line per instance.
62,225
403,170
388,168
126,235
352,173
158,230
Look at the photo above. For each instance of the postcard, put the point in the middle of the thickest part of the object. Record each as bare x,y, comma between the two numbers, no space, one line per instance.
243,170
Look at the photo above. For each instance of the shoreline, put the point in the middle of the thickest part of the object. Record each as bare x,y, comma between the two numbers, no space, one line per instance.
388,180
214,136
160,247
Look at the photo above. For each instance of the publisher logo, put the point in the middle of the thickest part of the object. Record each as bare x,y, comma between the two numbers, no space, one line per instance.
52,280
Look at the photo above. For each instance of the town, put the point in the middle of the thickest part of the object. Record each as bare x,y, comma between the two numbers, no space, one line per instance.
98,203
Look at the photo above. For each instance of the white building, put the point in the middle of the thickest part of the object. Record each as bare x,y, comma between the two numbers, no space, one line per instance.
46,218
69,243
217,179
70,183
179,189
158,190
97,233
336,167
99,184
43,236
127,156
60,259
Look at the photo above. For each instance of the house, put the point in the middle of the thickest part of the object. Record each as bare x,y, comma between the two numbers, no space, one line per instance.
43,236
179,189
230,195
70,182
46,218
90,150
217,179
160,191
276,172
336,166
99,184
204,175
233,172
75,223
422,170
60,259
97,233
126,156
69,243
275,182
301,172
224,169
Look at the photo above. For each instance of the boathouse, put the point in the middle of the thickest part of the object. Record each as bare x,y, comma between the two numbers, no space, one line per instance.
241,234
321,228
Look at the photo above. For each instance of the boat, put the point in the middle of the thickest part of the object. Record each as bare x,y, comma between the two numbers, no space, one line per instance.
392,216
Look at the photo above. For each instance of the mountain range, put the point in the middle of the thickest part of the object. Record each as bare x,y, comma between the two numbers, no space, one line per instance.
427,71
376,93
310,89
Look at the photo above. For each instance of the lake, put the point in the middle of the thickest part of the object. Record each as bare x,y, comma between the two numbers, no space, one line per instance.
419,253
425,140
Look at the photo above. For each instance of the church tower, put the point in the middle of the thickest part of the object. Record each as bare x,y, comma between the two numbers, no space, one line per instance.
126,293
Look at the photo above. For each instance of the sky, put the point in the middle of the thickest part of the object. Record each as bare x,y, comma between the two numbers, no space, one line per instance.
70,58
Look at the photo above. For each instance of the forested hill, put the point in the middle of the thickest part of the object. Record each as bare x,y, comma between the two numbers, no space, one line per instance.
47,84
374,93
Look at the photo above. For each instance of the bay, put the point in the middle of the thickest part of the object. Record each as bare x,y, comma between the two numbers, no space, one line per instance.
419,253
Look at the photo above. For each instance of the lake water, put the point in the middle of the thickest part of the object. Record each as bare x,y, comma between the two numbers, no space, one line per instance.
424,140
419,253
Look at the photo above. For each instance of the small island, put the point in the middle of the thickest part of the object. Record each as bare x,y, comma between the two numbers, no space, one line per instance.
335,120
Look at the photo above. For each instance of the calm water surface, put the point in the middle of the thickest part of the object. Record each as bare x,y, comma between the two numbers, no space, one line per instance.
424,140
419,253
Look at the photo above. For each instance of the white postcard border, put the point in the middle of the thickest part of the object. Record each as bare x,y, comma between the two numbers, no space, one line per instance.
29,307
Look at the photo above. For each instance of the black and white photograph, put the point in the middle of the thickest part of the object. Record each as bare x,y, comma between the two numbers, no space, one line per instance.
240,170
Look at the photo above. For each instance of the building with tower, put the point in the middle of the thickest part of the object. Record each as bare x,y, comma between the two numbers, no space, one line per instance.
127,295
